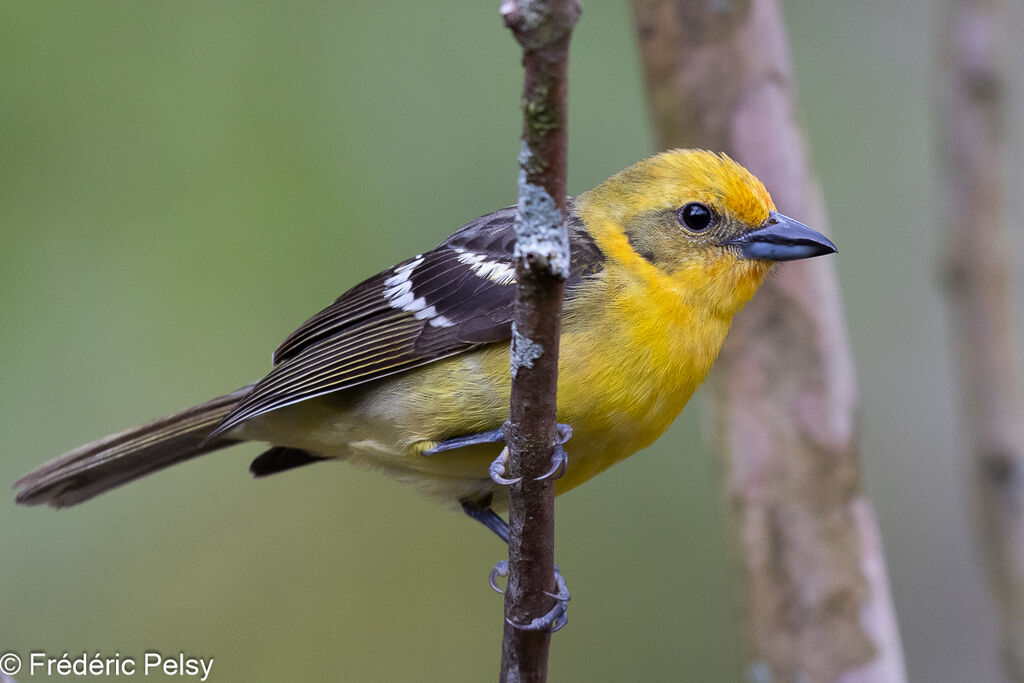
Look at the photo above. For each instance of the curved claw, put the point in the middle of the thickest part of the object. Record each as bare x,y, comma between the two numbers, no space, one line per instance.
557,617
498,468
559,461
563,591
559,458
500,569
564,432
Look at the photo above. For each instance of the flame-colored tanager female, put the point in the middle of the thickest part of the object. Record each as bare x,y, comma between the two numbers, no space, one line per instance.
408,372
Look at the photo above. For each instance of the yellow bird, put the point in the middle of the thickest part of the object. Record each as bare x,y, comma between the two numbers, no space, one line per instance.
408,372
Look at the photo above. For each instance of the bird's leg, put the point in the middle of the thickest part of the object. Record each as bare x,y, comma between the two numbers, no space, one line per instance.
496,468
559,458
488,517
493,436
557,617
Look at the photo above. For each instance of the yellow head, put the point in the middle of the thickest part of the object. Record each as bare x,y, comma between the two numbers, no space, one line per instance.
673,178
697,223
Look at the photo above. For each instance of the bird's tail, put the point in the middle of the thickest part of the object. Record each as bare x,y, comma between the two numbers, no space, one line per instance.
120,458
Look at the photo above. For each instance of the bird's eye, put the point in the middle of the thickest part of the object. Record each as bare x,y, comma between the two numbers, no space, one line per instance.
695,216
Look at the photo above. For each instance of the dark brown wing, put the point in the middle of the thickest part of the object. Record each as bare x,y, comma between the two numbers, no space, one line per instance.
437,304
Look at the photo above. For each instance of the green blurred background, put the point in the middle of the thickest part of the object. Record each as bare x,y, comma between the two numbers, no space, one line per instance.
184,183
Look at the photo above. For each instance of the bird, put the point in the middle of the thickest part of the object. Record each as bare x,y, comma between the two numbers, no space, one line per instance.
408,372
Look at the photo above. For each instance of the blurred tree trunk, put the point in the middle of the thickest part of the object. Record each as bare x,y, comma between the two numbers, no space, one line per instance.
978,273
815,591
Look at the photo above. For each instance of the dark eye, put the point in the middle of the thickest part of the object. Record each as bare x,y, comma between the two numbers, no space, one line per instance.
695,216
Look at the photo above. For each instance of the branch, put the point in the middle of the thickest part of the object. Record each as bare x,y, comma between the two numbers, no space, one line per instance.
542,265
978,281
817,599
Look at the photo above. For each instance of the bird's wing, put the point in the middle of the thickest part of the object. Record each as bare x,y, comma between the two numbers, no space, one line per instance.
434,305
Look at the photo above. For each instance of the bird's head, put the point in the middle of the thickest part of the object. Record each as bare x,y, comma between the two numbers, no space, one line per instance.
699,221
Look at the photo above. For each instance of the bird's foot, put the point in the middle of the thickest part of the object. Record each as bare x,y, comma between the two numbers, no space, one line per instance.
499,468
559,460
555,618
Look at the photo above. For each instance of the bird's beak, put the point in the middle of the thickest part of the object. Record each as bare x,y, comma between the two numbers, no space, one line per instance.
780,238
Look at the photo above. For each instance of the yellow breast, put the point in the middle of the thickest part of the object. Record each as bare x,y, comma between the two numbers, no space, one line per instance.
626,374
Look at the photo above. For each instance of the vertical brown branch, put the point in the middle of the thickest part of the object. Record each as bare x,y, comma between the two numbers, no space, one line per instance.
542,265
978,278
816,597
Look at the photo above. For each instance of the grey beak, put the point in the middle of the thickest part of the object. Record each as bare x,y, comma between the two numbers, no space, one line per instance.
780,238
